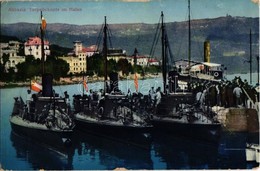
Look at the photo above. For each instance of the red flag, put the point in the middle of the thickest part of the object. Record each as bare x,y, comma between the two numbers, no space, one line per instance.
136,82
85,85
36,86
44,24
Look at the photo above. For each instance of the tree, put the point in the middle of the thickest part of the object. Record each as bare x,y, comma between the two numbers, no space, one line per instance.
124,66
5,59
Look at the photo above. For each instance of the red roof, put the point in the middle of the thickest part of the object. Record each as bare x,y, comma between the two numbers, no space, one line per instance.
152,60
34,41
92,48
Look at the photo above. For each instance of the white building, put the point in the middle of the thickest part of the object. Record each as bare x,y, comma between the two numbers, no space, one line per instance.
143,61
33,47
11,49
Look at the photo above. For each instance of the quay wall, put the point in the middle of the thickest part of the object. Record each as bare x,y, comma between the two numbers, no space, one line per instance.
238,119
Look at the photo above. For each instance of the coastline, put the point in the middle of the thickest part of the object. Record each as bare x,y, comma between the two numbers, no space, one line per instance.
74,80
93,79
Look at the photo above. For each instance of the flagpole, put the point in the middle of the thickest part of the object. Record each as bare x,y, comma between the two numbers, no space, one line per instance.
42,46
83,85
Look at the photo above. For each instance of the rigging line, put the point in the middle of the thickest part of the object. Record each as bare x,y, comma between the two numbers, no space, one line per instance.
99,37
109,36
182,40
155,36
169,47
158,37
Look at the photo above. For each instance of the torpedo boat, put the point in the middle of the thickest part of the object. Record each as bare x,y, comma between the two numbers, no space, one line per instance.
176,111
110,111
44,115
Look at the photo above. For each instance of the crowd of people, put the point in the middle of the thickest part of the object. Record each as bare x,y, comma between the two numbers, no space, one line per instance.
234,93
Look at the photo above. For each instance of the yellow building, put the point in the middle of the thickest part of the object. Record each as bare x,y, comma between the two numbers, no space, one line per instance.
77,60
77,64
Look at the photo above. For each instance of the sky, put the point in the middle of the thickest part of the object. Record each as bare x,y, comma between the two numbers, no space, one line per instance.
82,12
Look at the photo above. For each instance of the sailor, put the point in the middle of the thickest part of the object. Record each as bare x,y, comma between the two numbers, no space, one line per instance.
238,93
218,92
223,95
212,95
229,95
152,94
129,93
100,94
29,98
158,96
91,94
200,97
67,97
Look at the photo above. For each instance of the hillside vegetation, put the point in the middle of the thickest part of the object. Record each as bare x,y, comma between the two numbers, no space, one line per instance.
229,38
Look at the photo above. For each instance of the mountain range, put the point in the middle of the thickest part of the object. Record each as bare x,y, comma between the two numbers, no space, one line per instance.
228,36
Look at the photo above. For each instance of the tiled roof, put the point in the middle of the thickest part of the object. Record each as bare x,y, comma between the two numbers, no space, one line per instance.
33,41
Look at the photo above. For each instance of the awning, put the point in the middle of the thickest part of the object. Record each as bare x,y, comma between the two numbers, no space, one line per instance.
211,64
197,67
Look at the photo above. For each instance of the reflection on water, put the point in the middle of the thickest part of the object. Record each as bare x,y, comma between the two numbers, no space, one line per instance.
95,151
39,154
114,152
185,154
90,151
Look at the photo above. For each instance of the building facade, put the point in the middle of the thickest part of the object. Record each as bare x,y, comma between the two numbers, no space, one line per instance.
11,50
77,59
143,61
33,47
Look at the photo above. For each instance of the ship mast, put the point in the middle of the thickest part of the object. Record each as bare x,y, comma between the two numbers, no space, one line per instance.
189,52
105,55
42,46
163,54
250,57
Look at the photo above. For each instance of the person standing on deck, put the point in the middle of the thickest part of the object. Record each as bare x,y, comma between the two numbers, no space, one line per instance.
229,95
158,96
152,94
238,93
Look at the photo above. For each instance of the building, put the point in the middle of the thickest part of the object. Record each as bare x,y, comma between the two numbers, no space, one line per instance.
77,59
116,54
33,47
11,50
76,64
142,60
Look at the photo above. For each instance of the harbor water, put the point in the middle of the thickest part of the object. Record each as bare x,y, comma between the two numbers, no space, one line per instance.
94,151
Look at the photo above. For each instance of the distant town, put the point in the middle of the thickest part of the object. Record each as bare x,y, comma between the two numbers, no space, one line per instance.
15,53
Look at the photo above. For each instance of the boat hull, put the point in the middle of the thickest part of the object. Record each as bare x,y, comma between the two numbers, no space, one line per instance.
106,127
121,132
209,132
45,136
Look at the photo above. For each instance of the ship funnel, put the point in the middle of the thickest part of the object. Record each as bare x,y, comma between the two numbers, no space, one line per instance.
206,51
113,82
47,85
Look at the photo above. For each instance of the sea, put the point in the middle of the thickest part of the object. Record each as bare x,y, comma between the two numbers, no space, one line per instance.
90,151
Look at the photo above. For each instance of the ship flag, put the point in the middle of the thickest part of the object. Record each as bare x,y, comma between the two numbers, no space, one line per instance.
85,84
36,86
136,82
44,24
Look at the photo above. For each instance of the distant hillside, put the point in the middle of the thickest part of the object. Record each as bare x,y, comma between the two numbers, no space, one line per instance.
229,37
6,39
